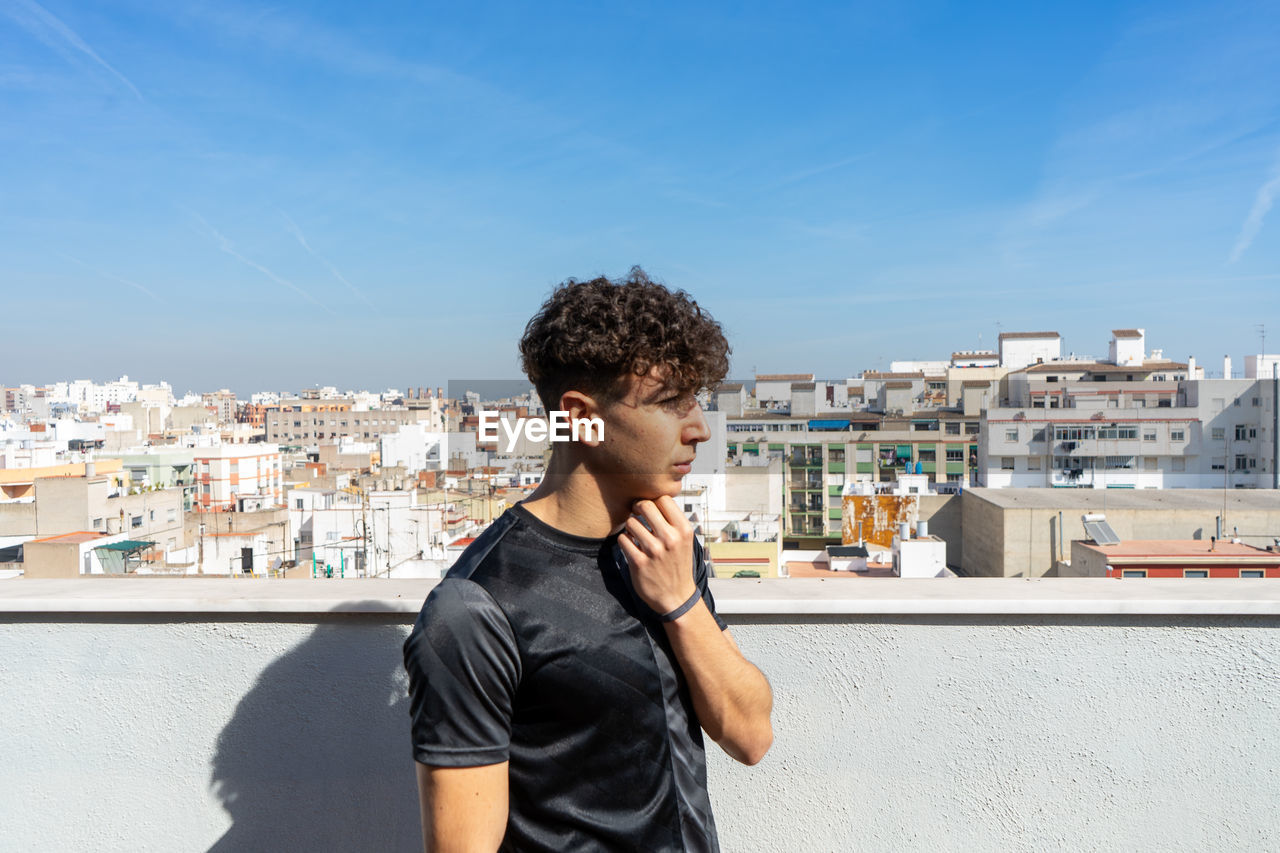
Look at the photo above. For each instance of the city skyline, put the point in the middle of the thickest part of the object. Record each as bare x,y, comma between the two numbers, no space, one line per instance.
381,197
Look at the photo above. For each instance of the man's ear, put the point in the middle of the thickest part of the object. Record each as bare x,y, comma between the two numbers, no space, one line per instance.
581,406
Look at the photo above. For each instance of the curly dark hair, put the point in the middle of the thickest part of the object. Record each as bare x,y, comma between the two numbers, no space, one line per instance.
590,335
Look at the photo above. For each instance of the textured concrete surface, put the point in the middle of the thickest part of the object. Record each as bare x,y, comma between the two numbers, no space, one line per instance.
767,596
137,732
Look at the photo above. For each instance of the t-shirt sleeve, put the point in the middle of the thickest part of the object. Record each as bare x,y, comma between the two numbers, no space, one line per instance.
700,574
463,667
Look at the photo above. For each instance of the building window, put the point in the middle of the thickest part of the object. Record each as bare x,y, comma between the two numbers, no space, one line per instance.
970,428
1011,434
1219,463
954,478
1149,463
1033,463
1133,573
1114,433
956,455
136,521
1252,573
1242,462
1119,462
1242,432
1177,435
1218,434
1006,463
1179,464
1148,435
297,504
97,524
1195,573
153,515
172,515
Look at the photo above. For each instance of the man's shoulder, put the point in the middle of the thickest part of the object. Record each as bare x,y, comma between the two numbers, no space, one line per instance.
481,551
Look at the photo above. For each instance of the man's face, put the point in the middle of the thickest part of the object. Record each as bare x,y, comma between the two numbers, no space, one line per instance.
650,436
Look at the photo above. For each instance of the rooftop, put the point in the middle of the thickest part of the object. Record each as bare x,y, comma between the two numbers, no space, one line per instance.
212,714
1149,366
735,597
1009,336
78,537
1184,548
1211,500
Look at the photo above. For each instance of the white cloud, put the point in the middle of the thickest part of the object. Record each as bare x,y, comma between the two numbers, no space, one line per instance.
45,26
1262,202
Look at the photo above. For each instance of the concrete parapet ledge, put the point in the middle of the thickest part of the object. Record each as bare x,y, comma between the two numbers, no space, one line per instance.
765,597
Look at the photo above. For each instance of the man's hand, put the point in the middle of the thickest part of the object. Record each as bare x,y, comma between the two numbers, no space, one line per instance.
731,697
657,541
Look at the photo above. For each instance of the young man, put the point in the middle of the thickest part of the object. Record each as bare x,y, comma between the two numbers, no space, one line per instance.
561,675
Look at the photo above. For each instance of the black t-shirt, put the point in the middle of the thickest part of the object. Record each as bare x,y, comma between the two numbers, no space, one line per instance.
534,650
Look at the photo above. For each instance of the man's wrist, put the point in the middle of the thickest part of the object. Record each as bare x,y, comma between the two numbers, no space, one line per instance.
682,609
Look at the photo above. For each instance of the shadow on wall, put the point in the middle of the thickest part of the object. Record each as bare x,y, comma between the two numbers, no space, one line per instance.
317,755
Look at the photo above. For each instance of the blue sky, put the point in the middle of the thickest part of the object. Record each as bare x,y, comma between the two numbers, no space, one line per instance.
380,194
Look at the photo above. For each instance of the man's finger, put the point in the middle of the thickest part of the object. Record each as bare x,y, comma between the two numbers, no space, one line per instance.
639,535
671,511
630,550
650,515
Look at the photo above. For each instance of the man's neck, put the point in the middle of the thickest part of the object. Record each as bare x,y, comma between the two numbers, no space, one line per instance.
571,500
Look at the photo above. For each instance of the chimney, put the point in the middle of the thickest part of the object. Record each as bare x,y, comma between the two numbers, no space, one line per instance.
1226,367
1191,367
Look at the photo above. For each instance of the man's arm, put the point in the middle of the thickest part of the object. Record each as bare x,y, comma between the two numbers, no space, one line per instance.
464,809
731,696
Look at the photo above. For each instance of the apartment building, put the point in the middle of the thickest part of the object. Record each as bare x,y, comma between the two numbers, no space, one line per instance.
821,452
298,422
226,472
222,403
1190,434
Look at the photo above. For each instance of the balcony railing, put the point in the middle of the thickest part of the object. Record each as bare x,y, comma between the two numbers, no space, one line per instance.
184,714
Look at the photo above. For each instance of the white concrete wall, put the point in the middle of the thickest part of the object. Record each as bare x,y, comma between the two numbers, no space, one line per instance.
1020,352
271,715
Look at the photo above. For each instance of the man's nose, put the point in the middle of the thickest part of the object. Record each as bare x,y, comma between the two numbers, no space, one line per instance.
698,430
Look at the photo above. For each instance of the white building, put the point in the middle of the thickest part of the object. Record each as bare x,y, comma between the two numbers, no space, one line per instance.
1261,366
1208,433
413,447
226,471
1019,349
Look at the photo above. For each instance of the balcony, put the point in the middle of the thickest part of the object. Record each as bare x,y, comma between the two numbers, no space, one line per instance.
270,715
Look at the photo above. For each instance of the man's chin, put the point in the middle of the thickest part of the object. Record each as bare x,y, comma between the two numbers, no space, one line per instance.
653,492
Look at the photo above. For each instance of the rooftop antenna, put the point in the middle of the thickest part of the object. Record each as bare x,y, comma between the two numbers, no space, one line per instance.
1262,335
